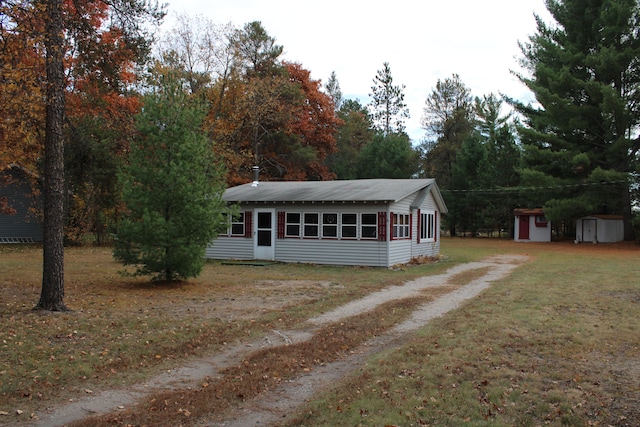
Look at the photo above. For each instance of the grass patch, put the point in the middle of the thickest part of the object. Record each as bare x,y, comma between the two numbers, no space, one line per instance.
556,343
123,330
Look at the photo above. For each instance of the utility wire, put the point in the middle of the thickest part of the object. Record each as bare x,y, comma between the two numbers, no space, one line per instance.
505,190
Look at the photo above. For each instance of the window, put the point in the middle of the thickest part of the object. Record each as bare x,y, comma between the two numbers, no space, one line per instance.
349,226
237,225
541,221
292,224
369,226
330,225
427,226
311,225
401,223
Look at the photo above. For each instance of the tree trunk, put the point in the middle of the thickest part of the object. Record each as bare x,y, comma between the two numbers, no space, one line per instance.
52,294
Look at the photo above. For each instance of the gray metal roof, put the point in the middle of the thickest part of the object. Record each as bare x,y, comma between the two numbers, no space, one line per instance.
361,190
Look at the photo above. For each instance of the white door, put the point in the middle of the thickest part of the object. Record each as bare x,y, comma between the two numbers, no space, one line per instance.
589,230
264,234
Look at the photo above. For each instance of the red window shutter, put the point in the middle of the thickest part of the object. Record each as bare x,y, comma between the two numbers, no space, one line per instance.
281,219
248,224
391,236
418,225
382,226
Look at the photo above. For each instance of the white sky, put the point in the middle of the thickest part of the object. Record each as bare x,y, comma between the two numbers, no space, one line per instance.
422,41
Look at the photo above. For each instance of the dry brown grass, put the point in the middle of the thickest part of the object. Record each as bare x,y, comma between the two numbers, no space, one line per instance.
122,329
556,343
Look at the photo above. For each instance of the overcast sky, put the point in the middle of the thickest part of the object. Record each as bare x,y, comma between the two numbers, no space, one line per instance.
423,41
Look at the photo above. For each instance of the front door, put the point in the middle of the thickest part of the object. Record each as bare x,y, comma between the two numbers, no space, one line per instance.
264,234
523,228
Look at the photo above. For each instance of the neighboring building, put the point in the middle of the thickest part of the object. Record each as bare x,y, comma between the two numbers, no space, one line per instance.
374,222
23,226
600,229
531,226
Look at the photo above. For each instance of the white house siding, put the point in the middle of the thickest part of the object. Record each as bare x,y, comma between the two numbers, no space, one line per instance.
333,252
224,247
400,250
539,234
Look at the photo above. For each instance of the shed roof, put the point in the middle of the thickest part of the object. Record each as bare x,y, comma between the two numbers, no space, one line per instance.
605,217
360,190
528,212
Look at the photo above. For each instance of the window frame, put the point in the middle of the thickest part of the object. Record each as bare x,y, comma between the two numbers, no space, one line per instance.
327,226
367,226
349,225
427,226
237,220
306,224
541,221
288,223
401,226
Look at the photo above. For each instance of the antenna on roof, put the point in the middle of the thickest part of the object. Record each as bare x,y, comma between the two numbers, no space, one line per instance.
256,173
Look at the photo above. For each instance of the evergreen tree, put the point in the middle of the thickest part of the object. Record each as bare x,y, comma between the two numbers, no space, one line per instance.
388,108
355,132
388,156
448,119
582,132
333,90
172,187
466,205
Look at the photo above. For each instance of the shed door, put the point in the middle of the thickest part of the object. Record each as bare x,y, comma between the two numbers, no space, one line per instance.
264,234
523,227
589,230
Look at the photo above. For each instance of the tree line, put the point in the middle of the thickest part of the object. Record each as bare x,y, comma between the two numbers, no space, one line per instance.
86,84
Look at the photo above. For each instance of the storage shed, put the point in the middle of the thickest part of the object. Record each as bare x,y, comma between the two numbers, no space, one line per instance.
600,229
23,225
531,226
373,222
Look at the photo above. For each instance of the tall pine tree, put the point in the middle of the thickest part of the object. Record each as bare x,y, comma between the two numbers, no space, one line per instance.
387,105
580,137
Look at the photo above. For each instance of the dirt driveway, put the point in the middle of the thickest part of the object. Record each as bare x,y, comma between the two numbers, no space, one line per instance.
269,408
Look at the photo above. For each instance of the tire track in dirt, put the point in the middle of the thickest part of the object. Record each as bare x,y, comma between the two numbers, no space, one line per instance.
276,404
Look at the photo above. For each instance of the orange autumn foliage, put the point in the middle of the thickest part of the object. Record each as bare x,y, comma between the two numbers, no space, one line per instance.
99,103
315,122
281,123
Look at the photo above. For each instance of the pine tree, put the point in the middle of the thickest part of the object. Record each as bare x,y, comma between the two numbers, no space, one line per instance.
582,132
388,108
172,188
448,119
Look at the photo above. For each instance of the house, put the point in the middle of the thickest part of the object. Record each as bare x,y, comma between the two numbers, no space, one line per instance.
23,224
531,226
372,222
600,229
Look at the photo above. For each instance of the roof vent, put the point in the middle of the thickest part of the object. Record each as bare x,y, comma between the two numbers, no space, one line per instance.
256,173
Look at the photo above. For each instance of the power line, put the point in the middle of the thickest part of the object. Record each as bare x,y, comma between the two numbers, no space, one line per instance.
505,190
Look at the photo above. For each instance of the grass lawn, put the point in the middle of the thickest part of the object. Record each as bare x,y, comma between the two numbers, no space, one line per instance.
555,343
